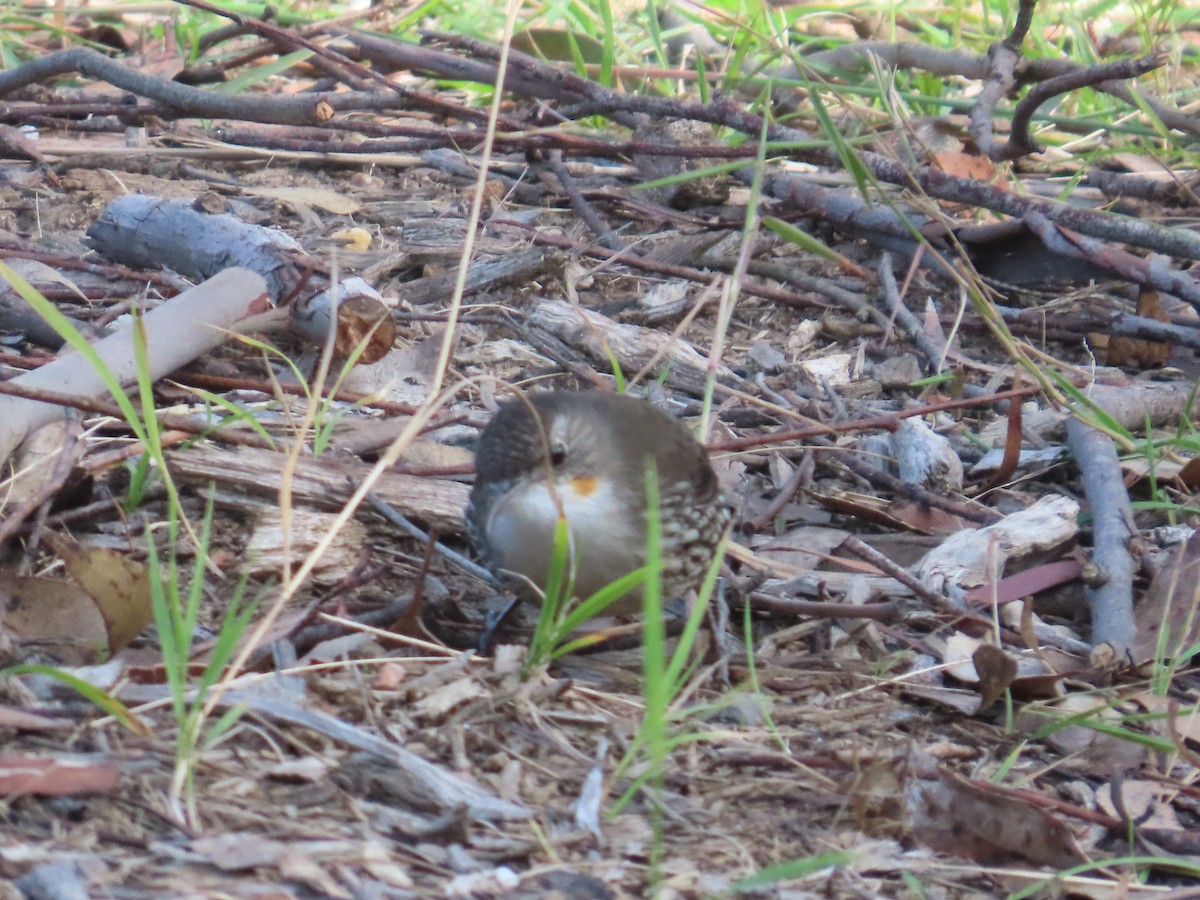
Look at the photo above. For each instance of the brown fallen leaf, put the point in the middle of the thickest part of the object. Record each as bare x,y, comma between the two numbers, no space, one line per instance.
118,584
1137,352
987,823
103,606
53,616
321,198
1189,475
364,321
1146,802
1170,608
966,165
1031,677
996,669
896,514
1096,752
1174,723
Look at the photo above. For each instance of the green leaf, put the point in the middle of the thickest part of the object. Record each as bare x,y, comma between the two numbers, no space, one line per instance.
801,239
98,697
262,73
796,868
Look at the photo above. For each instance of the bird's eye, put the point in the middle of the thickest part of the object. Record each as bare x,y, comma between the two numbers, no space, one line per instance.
558,453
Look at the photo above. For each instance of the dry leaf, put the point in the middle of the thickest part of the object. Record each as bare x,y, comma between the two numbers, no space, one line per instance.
356,239
438,703
55,617
1170,604
1143,801
1102,755
996,669
804,548
987,823
1137,352
959,653
965,165
321,198
364,320
119,585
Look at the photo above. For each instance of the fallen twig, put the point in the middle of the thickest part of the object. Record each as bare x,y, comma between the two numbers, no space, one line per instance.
1110,587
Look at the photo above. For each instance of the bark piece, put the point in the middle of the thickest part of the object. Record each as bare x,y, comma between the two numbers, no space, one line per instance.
926,458
265,547
150,233
57,776
963,561
322,482
634,348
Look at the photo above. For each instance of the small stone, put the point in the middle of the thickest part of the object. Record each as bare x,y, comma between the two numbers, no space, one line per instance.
926,458
767,358
897,371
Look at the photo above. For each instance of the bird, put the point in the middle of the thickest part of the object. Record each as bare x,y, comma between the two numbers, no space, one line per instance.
586,453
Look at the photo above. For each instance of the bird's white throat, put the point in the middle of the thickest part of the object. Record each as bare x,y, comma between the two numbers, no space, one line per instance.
607,537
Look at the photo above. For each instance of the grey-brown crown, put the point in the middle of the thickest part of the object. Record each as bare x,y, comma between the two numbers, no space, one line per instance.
592,433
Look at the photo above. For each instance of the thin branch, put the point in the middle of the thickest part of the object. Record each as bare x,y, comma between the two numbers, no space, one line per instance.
1022,142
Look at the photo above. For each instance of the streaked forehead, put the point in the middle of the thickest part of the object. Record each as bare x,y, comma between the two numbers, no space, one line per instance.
571,425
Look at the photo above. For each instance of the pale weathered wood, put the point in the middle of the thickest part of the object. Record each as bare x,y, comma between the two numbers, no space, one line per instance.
175,332
596,336
324,482
144,231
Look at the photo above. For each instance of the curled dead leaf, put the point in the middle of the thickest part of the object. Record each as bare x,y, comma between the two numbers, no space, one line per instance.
987,823
104,606
362,319
119,585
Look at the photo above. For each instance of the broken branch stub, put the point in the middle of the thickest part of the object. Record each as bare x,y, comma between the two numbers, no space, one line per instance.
151,232
144,231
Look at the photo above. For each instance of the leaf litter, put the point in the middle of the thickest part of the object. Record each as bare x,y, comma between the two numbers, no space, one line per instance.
976,744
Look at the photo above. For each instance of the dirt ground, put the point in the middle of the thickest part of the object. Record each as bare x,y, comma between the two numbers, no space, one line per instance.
882,737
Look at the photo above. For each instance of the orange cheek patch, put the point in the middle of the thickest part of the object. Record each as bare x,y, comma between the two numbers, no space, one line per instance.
584,486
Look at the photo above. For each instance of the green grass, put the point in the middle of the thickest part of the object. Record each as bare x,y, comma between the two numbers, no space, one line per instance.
176,607
846,110
1140,864
792,870
559,616
664,727
97,696
599,37
177,603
